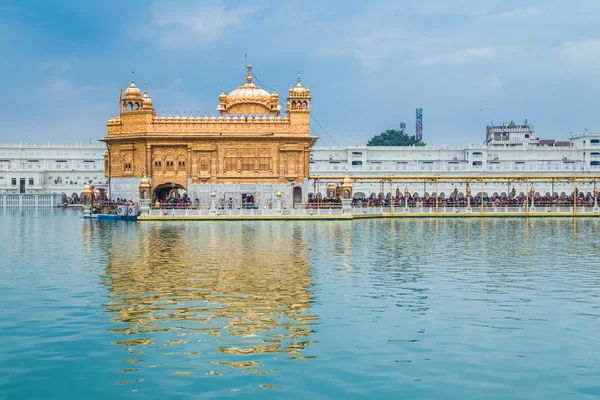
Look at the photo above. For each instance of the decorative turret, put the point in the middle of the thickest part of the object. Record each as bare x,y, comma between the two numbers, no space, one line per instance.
298,103
132,101
347,187
146,100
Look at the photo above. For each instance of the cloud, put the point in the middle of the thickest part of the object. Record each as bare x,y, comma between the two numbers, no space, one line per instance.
176,25
470,56
584,54
61,66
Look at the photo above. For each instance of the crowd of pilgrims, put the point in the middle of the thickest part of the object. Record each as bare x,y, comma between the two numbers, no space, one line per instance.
496,200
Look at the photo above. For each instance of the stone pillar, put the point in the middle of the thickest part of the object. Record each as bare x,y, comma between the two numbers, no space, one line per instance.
212,210
468,209
278,207
86,201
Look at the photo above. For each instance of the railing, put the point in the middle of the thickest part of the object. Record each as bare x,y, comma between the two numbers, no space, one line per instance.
373,211
18,200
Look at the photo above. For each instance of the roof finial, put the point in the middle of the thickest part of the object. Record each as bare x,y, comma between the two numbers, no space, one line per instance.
222,89
132,75
145,91
298,76
249,74
274,88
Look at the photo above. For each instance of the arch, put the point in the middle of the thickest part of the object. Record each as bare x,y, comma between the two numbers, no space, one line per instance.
129,106
304,105
168,190
297,198
359,195
136,106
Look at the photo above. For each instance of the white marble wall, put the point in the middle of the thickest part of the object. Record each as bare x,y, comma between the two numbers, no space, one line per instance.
125,188
263,193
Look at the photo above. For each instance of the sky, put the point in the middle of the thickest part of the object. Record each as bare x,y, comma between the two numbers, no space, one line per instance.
369,64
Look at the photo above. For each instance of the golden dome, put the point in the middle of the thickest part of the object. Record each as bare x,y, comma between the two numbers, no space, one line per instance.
248,93
145,182
223,96
347,180
299,90
132,91
146,100
87,188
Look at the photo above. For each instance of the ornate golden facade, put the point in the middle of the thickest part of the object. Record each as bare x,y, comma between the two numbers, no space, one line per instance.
249,142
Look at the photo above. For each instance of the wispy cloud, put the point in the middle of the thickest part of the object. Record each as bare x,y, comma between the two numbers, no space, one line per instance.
470,56
584,54
177,25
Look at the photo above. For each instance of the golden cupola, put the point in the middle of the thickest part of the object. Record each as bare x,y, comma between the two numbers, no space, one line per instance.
298,97
247,99
132,92
275,98
146,100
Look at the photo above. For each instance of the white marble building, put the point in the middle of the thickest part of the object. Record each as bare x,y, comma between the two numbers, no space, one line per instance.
582,156
50,168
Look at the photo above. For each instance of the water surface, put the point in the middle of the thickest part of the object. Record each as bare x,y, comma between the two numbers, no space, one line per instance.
438,309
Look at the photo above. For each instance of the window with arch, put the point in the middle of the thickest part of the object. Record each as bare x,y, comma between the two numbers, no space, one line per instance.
170,165
128,167
129,106
157,164
264,164
181,164
203,164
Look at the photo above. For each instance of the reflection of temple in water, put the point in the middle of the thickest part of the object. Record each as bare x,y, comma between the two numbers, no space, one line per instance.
244,284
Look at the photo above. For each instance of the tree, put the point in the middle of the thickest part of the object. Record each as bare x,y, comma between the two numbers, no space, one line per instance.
392,137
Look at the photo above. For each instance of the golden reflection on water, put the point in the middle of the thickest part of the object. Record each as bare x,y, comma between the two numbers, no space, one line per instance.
242,289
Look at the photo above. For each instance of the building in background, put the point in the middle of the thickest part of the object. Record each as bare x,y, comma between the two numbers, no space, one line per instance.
49,169
581,156
510,134
247,153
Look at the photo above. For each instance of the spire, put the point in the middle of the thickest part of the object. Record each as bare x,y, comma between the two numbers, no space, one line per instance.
249,74
132,77
299,78
145,91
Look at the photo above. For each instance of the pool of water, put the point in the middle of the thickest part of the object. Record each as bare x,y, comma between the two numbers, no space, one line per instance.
438,309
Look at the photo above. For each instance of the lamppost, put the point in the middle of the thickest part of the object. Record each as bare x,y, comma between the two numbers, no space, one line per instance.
406,194
596,199
468,197
212,208
532,192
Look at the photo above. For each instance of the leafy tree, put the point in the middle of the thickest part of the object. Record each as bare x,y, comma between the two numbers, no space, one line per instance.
392,137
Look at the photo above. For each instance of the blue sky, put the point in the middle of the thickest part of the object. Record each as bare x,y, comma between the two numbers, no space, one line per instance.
368,64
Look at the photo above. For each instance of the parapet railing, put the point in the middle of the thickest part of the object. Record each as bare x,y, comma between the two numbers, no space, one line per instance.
378,210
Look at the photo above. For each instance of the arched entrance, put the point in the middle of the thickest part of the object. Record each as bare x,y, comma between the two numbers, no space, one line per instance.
168,191
297,195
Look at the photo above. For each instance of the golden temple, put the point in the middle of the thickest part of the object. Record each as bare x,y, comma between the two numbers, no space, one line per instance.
247,146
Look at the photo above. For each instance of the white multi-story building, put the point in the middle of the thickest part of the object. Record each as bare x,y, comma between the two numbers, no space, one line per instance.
580,157
50,169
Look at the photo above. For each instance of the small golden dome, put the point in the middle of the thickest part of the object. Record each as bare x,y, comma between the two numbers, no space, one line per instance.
278,194
331,185
299,90
132,91
146,100
87,188
213,194
347,180
223,96
145,182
